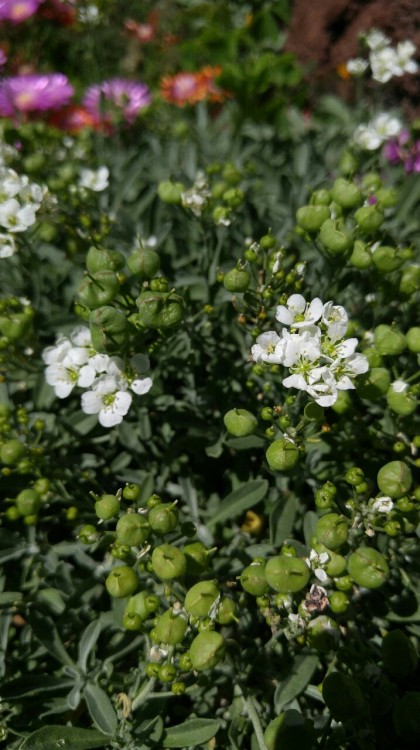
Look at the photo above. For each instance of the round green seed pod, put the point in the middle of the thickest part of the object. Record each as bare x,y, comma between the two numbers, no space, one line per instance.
108,329
335,237
339,602
240,422
206,650
16,326
287,574
403,403
336,564
389,340
372,181
386,197
131,621
394,479
289,730
170,628
142,604
399,654
28,502
196,555
102,259
132,529
122,582
98,289
346,193
311,218
361,256
386,259
88,534
200,598
348,163
332,530
343,696
12,452
410,281
368,568
373,357
406,716
343,403
171,192
369,218
160,309
323,634
163,518
253,579
282,455
236,280
168,562
373,384
107,507
412,338
321,197
144,263
226,611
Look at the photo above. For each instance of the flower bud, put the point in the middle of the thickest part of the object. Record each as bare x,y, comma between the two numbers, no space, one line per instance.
170,628
355,475
132,529
287,574
323,634
368,568
240,422
321,197
332,530
200,598
102,259
253,579
348,163
131,491
346,193
335,237
410,281
412,338
394,479
386,259
343,696
12,452
206,650
361,256
160,309
163,518
236,280
282,455
131,621
122,581
311,218
168,562
107,507
374,383
339,602
398,654
28,502
400,399
171,192
144,263
406,716
369,218
98,289
108,329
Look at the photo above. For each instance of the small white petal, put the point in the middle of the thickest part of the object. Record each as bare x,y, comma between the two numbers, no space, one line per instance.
141,386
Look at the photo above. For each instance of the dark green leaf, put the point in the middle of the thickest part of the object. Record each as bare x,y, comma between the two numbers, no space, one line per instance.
64,738
282,519
100,708
236,502
190,733
45,630
297,681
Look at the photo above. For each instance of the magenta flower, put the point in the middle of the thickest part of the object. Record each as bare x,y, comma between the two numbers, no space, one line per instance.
17,11
34,92
116,97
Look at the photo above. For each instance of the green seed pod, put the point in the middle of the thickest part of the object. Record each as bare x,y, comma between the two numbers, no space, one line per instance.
12,452
374,384
218,189
287,574
236,280
394,479
332,531
88,534
170,628
167,672
144,263
343,403
99,289
131,492
398,654
168,562
323,634
343,696
28,502
267,241
339,602
16,326
373,357
232,174
368,568
240,422
361,256
282,455
253,579
406,716
122,581
142,604
196,555
171,192
344,583
200,598
346,193
132,529
335,237
289,730
354,476
311,218
321,197
372,182
386,197
206,650
336,565
348,163
369,218
102,259
160,309
412,338
131,621
401,402
234,197
107,507
410,281
108,328
226,611
386,259
163,518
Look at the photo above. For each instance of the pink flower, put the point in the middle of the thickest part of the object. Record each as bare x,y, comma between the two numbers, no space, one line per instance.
34,93
17,11
115,98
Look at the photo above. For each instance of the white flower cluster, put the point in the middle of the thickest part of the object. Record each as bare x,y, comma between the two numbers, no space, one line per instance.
321,361
19,202
197,197
96,180
74,362
372,135
385,61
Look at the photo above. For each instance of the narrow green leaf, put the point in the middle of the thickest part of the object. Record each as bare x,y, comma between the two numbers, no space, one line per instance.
236,502
10,597
190,733
45,630
100,708
309,523
246,443
297,681
64,738
87,642
35,684
282,519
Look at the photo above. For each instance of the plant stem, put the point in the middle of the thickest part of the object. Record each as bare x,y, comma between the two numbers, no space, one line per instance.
144,693
250,708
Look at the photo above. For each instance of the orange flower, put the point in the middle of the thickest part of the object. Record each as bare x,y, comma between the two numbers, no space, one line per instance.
189,88
343,72
73,119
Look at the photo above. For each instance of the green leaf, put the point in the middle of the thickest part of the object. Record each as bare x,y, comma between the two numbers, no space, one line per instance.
45,630
64,738
87,642
10,597
100,708
236,502
190,733
245,443
282,519
296,682
309,523
35,684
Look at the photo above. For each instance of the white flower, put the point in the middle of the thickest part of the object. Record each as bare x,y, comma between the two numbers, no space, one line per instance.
404,63
10,184
302,349
127,379
322,386
399,386
15,218
53,354
64,379
379,130
375,39
321,575
336,320
386,125
298,312
382,504
366,137
7,245
110,404
357,66
384,64
269,347
96,180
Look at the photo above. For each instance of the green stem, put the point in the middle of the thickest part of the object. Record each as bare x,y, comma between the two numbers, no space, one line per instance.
144,693
250,708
